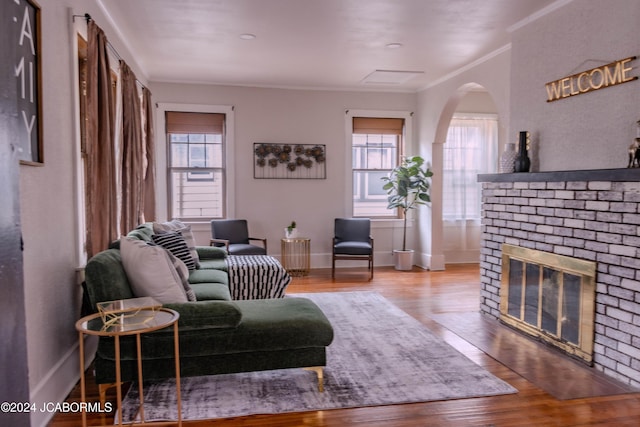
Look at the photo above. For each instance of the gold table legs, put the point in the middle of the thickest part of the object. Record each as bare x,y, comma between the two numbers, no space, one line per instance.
296,256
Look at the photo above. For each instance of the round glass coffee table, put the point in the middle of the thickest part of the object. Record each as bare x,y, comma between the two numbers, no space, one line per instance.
134,322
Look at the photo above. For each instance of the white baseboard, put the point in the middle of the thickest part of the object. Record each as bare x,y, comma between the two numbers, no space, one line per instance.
463,257
381,259
323,260
59,381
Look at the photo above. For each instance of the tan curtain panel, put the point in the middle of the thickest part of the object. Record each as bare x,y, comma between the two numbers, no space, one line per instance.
149,167
102,210
178,122
374,125
133,151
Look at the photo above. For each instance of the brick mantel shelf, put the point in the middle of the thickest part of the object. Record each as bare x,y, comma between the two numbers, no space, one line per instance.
614,175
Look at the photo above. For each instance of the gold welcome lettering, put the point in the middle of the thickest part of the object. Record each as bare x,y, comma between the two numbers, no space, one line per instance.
607,75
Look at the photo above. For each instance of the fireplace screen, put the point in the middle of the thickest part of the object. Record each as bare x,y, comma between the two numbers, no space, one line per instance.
551,297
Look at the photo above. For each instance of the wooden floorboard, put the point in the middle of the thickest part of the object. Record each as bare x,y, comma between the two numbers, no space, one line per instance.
425,295
544,366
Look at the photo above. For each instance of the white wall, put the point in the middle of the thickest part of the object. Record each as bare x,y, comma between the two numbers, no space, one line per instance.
290,116
588,131
477,101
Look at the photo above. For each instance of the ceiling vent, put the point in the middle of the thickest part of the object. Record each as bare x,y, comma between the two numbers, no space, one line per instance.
390,77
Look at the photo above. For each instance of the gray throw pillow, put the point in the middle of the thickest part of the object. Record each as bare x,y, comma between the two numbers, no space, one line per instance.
151,271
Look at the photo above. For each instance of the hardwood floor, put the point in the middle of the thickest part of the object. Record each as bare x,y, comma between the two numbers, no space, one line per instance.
423,294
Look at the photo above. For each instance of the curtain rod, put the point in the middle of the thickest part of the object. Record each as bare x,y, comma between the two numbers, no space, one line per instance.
88,18
85,16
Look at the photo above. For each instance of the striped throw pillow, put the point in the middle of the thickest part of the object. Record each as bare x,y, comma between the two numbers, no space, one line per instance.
175,243
185,230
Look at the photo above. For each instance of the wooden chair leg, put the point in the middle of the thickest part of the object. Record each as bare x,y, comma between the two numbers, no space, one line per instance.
333,267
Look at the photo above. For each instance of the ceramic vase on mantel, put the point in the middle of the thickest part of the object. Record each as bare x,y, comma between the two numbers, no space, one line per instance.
523,163
508,158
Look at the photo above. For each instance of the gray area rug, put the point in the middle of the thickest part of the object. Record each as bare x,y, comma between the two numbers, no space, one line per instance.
380,356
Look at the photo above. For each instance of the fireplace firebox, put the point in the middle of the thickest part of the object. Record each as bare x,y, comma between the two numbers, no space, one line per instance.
550,297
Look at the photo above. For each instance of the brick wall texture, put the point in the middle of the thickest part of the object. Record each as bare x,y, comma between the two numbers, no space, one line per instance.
591,220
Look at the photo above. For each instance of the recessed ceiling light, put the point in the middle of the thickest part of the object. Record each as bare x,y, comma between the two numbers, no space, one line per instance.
394,45
247,36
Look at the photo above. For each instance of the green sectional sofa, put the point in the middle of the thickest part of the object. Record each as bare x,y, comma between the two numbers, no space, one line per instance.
217,335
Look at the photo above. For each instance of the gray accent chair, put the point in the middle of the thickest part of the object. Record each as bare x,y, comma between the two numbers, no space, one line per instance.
233,234
352,241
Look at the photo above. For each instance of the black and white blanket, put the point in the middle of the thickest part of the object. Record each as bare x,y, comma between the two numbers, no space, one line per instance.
256,277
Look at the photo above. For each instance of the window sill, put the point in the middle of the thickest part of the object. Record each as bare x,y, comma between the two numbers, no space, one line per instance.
390,223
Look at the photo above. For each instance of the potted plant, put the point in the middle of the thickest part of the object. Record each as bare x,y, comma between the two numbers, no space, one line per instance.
407,187
291,231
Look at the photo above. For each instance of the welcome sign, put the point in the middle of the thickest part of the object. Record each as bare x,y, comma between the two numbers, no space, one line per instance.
611,74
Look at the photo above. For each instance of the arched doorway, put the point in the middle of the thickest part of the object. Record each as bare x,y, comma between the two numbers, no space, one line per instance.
468,137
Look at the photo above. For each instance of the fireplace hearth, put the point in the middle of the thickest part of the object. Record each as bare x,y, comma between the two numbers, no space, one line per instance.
550,297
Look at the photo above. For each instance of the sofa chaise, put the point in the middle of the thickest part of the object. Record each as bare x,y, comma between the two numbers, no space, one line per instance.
217,335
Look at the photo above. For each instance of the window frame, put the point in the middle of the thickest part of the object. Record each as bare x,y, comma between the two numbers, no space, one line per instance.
366,173
402,148
164,189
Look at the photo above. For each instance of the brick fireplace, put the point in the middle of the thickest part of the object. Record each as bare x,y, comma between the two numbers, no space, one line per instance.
588,215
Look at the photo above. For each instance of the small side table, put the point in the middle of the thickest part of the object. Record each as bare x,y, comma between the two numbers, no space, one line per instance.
296,255
135,322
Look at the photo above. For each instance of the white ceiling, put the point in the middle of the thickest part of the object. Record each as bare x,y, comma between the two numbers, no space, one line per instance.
324,44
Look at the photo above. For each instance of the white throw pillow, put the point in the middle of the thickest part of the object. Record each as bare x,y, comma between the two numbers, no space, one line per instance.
151,272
